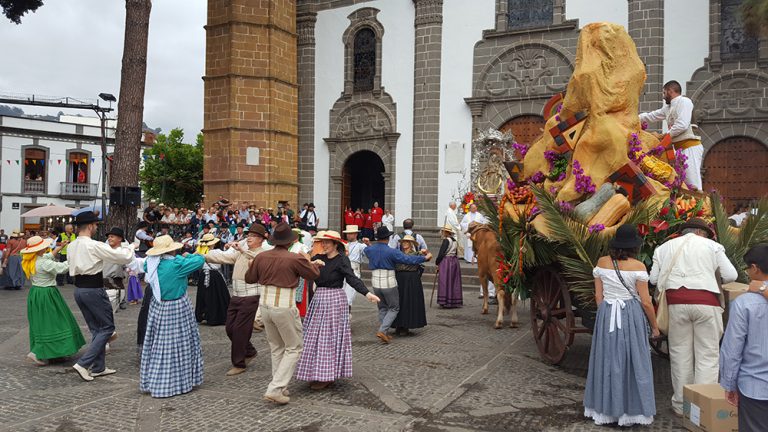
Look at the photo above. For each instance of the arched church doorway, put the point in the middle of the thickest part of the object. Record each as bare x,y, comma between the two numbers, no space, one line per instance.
735,167
525,128
362,181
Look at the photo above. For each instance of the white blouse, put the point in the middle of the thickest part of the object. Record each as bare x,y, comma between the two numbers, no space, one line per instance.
617,294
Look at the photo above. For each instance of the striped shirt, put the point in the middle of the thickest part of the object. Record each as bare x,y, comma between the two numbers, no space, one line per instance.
744,353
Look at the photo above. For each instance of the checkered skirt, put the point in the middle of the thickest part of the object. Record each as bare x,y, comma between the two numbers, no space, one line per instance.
327,354
172,356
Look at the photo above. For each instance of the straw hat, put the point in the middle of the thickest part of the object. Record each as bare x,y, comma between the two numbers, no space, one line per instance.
329,235
36,244
15,234
409,238
163,245
449,229
351,229
209,240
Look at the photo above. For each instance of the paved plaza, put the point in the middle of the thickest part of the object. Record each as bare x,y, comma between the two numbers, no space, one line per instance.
457,374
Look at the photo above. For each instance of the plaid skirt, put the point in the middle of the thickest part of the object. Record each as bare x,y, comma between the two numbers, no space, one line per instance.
172,356
327,354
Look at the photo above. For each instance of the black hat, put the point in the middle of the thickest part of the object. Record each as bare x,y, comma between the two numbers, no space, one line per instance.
382,233
86,217
116,232
626,238
311,205
142,224
698,223
282,235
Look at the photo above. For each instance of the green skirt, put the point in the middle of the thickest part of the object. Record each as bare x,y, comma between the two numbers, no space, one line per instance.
53,331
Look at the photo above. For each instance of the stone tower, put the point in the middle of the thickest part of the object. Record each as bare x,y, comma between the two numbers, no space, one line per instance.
251,102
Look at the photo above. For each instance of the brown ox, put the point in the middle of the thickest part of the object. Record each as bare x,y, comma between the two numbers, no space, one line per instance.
487,250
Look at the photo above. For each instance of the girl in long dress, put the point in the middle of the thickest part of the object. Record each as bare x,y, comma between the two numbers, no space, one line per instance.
620,378
53,330
449,292
412,313
327,354
212,298
172,355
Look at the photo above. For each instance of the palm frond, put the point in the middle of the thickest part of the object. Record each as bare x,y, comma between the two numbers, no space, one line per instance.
643,213
731,241
754,230
561,228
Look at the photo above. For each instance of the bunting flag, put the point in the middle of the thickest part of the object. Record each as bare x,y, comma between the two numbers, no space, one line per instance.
59,161
9,161
17,162
93,160
144,156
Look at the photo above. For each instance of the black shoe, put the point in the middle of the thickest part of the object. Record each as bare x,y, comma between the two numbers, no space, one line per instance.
123,306
493,301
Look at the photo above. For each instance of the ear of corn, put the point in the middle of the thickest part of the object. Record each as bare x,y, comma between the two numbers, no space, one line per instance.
612,211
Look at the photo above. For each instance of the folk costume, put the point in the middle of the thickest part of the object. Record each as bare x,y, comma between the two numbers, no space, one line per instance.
452,220
327,354
115,277
355,254
412,314
678,114
86,258
212,298
620,377
13,276
244,302
449,292
278,272
305,288
382,260
53,330
172,355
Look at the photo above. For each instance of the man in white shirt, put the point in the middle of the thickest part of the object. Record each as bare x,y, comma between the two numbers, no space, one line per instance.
355,254
685,268
309,218
86,258
452,219
678,111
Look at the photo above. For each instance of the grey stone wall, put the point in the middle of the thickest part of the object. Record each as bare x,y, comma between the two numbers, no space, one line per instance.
426,110
646,27
305,27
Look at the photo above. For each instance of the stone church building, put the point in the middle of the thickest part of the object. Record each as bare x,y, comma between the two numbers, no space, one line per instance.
384,97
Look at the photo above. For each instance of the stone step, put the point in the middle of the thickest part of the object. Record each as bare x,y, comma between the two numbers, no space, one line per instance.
469,277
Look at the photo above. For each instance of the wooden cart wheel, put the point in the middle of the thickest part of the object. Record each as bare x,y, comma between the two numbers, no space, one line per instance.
552,318
660,347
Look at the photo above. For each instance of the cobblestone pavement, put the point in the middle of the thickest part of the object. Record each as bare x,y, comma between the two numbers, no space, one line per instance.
457,374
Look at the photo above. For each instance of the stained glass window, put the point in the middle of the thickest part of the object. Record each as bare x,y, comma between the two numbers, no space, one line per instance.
735,43
365,60
530,13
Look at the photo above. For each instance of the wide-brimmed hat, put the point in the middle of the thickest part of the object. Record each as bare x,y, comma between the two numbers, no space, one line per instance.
115,231
256,229
351,229
410,238
282,235
698,223
447,228
36,243
208,240
86,217
329,235
626,238
383,232
163,245
15,234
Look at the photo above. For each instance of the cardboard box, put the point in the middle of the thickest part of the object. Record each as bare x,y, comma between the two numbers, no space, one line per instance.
733,290
706,410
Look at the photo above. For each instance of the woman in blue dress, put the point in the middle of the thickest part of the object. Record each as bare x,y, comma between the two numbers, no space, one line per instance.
620,378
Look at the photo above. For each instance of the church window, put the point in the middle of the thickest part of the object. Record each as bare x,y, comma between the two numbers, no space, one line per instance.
735,43
530,13
364,59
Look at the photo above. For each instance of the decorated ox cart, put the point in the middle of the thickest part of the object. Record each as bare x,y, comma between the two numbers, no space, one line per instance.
556,203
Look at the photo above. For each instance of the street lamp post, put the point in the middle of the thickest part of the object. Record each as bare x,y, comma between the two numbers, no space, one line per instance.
103,117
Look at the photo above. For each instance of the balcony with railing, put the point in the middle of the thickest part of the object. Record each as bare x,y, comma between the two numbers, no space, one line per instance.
34,186
79,190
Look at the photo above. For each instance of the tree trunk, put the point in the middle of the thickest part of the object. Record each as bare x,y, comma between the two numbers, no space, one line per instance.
130,109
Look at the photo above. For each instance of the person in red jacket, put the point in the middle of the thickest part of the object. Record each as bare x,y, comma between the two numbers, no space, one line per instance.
376,214
359,221
349,217
367,231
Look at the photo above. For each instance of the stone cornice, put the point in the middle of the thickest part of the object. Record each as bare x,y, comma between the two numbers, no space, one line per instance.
428,12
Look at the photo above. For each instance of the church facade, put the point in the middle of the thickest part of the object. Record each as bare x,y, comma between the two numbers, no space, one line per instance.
390,93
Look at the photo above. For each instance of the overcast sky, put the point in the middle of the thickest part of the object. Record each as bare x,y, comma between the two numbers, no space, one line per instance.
75,47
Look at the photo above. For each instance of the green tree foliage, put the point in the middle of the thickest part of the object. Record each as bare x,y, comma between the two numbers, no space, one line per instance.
755,16
173,171
15,9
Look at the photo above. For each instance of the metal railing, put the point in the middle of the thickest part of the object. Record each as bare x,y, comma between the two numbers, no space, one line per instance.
79,190
34,186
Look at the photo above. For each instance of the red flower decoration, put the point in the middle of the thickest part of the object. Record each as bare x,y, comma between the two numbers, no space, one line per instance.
664,211
659,225
643,230
700,213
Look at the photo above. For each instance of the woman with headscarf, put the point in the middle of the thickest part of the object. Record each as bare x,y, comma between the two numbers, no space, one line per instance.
449,294
412,314
172,355
327,354
212,298
53,330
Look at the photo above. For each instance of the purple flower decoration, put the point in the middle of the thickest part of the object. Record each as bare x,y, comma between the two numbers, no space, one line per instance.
553,190
559,108
520,148
644,125
557,117
565,206
538,177
584,183
596,228
551,156
510,184
561,177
